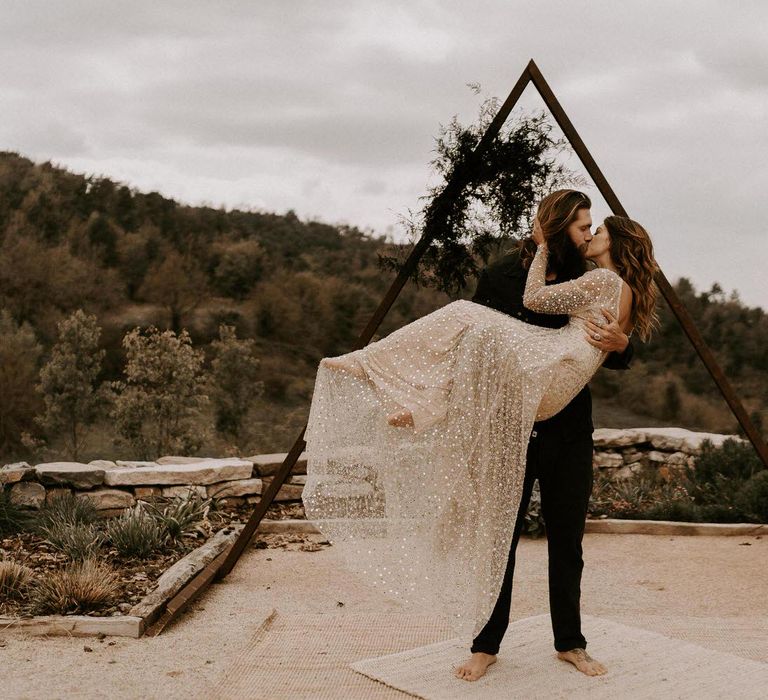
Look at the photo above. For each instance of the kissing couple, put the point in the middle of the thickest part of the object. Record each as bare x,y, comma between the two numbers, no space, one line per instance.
422,447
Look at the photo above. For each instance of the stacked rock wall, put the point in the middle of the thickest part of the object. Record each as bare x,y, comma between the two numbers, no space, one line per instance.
114,486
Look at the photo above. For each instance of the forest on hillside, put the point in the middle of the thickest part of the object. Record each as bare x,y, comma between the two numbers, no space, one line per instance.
298,290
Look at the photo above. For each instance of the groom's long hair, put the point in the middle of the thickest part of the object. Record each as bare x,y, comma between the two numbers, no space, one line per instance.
556,212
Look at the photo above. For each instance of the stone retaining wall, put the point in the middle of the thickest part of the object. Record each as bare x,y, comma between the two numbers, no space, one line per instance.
114,486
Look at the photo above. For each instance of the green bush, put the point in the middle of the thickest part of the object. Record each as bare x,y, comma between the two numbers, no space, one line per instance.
66,509
180,516
78,541
135,533
752,498
724,467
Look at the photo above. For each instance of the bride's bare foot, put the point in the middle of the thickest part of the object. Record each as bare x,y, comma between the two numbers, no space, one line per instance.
350,366
401,419
476,666
583,661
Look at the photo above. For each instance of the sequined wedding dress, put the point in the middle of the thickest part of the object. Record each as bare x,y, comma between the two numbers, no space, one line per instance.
426,513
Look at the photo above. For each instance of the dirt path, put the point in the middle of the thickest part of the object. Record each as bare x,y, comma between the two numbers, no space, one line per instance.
626,577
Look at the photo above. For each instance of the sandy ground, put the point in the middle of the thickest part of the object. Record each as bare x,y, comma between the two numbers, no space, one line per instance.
624,575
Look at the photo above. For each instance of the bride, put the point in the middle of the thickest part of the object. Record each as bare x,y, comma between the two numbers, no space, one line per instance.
416,443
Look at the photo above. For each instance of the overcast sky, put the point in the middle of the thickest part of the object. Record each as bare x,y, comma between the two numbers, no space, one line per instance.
331,108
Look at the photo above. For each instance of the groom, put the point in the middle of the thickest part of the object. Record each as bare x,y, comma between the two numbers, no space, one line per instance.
560,448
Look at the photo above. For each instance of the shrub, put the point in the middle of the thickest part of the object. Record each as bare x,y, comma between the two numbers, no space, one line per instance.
752,498
180,515
69,381
80,587
159,405
234,382
79,541
13,519
67,509
733,461
13,578
135,533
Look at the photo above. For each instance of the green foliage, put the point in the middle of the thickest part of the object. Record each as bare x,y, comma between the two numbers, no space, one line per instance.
158,406
752,498
179,516
67,509
13,519
492,200
69,381
135,533
19,357
237,266
234,381
79,588
78,541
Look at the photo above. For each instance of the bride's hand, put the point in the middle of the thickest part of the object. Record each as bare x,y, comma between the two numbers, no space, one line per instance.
538,234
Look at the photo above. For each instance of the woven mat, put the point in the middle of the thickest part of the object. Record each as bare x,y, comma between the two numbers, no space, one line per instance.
641,664
306,656
326,656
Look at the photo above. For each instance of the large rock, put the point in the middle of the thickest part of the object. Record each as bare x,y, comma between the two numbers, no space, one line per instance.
135,463
228,489
107,499
613,437
269,465
682,440
28,493
607,459
103,463
208,472
81,476
183,491
176,459
13,473
287,492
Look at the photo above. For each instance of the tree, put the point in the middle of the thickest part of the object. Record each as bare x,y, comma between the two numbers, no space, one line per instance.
69,381
19,357
234,382
158,407
176,282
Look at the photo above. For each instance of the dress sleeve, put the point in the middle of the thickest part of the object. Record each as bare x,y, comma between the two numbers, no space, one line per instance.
563,298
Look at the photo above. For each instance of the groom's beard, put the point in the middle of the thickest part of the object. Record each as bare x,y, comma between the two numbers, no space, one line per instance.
583,250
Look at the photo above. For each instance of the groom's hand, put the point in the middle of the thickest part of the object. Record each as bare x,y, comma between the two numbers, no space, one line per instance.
609,337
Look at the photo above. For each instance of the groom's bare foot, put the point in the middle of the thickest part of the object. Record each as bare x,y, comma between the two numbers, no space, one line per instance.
583,661
476,666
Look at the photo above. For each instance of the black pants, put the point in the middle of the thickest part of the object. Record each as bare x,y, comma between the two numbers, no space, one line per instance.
564,470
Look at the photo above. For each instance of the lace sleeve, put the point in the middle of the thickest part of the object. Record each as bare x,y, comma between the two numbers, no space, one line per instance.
563,298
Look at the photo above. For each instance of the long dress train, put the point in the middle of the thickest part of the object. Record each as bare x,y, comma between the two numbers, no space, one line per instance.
426,513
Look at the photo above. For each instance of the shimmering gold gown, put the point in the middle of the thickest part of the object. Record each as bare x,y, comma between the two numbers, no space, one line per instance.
427,512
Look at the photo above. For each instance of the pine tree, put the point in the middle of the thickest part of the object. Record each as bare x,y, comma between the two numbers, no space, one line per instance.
69,382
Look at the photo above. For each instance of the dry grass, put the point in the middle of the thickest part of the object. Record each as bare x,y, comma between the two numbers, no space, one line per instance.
83,586
13,578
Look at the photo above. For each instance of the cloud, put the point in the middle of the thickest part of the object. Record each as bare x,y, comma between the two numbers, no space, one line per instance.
331,109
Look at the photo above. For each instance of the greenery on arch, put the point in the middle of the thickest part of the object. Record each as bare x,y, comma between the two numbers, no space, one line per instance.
494,202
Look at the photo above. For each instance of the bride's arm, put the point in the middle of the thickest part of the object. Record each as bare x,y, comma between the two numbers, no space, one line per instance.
563,298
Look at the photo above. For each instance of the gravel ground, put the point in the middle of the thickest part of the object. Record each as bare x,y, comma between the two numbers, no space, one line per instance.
624,575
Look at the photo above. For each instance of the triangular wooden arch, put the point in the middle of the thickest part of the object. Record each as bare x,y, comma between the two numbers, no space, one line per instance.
224,563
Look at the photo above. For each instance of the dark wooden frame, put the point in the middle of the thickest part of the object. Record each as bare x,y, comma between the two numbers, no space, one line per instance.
224,563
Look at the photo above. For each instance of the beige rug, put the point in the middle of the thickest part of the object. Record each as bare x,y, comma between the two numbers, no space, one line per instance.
642,664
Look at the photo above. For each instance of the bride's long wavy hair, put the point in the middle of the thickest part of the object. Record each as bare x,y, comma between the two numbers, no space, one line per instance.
632,254
556,212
